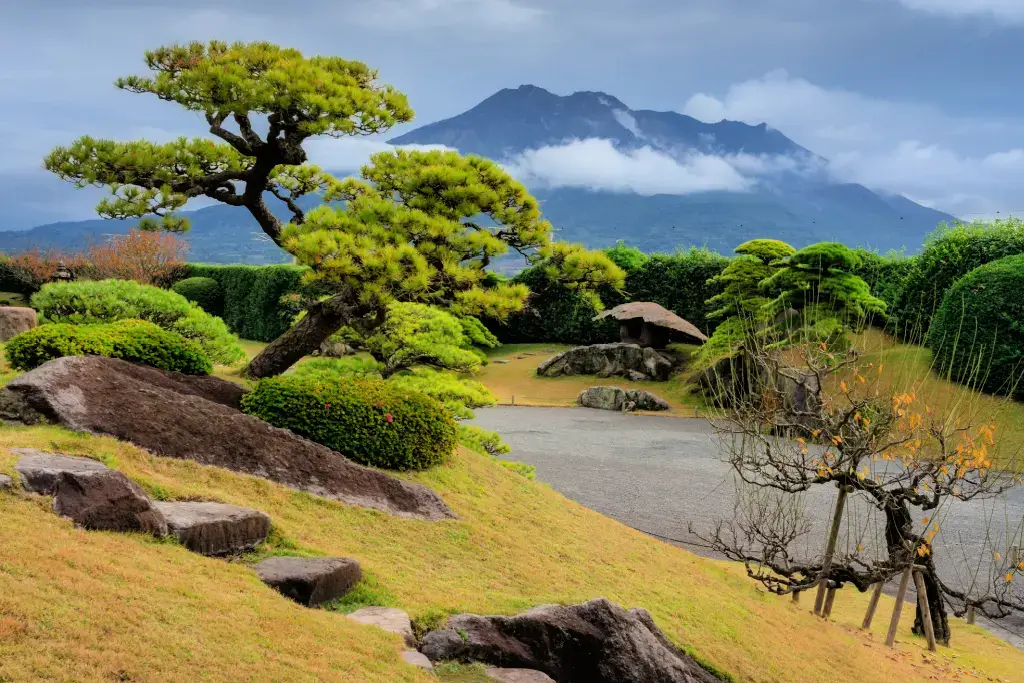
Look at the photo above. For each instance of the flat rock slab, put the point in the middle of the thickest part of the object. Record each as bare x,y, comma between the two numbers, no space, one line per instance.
6,482
310,581
607,360
179,416
39,470
106,500
16,319
215,528
417,659
518,675
387,618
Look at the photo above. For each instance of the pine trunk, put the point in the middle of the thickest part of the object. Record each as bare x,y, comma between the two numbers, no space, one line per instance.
321,321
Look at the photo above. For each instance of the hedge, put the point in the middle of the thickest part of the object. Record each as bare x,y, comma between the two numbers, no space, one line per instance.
135,341
369,420
204,292
977,335
252,295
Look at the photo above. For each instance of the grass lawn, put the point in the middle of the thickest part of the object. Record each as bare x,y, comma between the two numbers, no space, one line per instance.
13,299
78,605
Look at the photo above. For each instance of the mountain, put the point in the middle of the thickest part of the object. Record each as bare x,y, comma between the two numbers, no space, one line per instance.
790,195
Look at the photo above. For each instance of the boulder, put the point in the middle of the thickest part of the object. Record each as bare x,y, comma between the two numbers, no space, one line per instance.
595,642
614,398
415,658
178,416
6,482
14,320
387,618
39,470
106,500
335,349
215,528
310,581
496,673
608,360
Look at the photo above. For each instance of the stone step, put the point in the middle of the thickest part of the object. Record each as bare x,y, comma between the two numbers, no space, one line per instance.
310,581
215,529
387,618
417,659
39,470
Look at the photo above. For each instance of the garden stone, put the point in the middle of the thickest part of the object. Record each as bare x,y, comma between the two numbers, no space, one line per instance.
194,418
310,581
614,398
594,642
416,659
335,349
387,618
39,470
608,360
6,482
215,529
106,501
518,675
16,319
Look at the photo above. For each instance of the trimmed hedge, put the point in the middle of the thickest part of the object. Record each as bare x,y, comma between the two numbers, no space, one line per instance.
252,296
369,420
977,334
886,274
104,301
204,292
135,341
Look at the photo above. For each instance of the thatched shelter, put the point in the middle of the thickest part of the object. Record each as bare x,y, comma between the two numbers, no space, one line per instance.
647,324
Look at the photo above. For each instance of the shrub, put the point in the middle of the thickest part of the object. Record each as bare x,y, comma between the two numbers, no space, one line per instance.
977,334
151,258
369,420
113,300
418,334
135,341
886,274
458,394
202,291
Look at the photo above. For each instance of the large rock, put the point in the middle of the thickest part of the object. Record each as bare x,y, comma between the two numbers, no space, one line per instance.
14,320
106,500
608,360
310,581
614,398
6,482
215,528
178,416
595,642
387,618
40,470
496,673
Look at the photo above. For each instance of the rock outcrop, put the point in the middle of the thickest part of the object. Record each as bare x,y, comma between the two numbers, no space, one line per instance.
40,470
215,529
106,501
16,319
194,418
6,482
496,673
387,618
310,581
595,642
625,400
608,360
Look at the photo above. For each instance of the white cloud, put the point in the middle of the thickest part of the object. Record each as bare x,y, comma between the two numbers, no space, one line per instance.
596,164
1010,11
963,165
421,14
626,120
350,154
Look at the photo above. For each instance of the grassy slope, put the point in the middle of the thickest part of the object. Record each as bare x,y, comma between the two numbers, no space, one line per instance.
95,606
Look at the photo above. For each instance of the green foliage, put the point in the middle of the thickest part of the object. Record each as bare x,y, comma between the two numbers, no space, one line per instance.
103,301
766,251
349,366
630,259
885,275
950,253
679,282
416,334
252,296
977,334
135,341
477,333
520,468
205,292
370,421
483,441
458,394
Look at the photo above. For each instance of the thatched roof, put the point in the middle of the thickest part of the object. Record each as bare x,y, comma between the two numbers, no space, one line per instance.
655,315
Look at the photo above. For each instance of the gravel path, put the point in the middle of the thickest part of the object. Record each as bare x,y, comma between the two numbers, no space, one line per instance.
661,474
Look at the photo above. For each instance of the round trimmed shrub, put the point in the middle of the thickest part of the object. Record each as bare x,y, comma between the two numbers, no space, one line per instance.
369,420
204,292
135,341
977,334
106,301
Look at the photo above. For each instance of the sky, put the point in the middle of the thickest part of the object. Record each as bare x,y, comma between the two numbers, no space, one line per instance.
917,97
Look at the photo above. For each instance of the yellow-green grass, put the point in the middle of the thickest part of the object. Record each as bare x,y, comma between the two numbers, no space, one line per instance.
13,299
77,605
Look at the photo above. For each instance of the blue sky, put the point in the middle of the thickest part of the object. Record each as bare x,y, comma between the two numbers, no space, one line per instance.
919,97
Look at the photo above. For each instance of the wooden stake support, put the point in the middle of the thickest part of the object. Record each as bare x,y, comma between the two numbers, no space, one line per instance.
970,614
830,598
872,606
926,611
796,596
830,550
897,611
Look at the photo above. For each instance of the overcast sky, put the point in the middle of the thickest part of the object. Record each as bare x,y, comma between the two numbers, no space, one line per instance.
919,97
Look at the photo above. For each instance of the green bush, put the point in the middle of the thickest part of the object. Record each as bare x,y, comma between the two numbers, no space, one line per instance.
135,341
369,420
106,301
205,292
950,253
977,334
886,274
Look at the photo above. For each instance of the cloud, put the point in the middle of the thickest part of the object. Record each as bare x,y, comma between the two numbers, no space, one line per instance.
964,165
350,154
417,15
596,164
1010,11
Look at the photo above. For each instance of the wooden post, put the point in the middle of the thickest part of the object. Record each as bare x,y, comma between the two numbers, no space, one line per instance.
872,606
830,549
897,611
796,597
970,614
829,599
926,610
513,399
